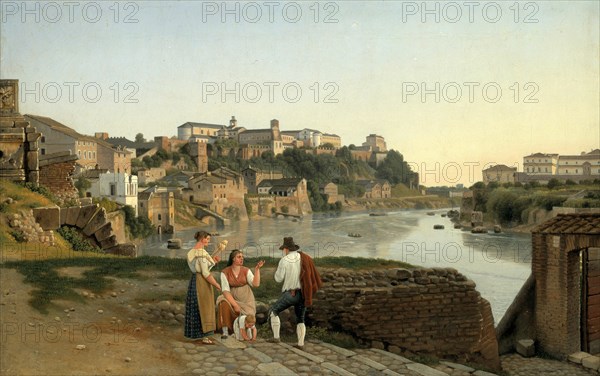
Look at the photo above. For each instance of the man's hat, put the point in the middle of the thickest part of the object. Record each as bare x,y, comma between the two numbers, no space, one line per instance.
289,244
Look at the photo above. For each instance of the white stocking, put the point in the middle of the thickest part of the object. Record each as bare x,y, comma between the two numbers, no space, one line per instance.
275,325
301,332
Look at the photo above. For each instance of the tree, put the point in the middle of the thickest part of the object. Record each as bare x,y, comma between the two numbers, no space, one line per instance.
394,169
82,185
553,183
139,138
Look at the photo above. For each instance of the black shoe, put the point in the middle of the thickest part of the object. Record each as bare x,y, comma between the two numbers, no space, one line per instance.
224,336
274,340
299,347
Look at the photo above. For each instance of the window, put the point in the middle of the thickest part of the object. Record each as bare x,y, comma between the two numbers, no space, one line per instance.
113,189
43,139
43,151
159,217
141,204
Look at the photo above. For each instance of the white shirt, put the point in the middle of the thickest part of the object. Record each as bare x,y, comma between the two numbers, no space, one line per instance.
240,324
225,282
288,271
199,261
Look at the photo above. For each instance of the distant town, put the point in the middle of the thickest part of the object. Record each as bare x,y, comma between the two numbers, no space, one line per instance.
228,170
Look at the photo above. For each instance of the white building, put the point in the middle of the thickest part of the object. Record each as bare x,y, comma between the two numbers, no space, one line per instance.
118,187
585,165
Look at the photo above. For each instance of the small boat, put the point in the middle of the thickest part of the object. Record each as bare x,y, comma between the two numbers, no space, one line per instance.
377,214
438,227
430,213
354,235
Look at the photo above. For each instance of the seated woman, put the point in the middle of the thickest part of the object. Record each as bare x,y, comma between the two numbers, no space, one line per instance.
237,297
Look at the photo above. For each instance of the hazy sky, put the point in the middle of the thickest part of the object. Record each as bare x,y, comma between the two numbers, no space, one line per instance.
453,86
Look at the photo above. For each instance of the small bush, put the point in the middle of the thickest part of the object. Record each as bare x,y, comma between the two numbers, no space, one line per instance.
77,241
18,236
41,190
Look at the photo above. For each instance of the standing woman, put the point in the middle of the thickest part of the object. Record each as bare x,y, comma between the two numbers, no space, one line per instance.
237,298
200,302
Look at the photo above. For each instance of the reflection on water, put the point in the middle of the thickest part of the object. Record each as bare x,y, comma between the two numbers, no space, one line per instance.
498,263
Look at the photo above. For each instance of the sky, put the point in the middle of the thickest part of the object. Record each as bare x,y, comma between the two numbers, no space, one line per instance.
454,86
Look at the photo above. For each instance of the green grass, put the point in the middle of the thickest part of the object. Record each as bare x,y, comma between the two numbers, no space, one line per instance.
50,285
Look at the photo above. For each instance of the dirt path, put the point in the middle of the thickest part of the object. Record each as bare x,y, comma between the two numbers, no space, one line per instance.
113,337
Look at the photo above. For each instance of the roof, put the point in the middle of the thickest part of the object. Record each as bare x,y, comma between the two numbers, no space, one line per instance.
59,127
541,155
122,141
201,125
580,223
500,167
264,130
280,183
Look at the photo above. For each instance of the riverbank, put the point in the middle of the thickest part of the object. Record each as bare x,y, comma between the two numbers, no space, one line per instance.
413,202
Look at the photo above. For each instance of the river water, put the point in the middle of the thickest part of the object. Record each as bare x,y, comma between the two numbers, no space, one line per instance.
498,263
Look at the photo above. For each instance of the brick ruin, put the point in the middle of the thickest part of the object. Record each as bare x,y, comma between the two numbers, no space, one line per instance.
425,311
56,173
566,268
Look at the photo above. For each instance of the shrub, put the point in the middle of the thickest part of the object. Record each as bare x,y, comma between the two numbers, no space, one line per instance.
139,227
18,236
76,240
40,189
548,202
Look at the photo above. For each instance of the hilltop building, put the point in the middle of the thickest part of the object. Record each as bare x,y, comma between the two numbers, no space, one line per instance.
499,173
542,167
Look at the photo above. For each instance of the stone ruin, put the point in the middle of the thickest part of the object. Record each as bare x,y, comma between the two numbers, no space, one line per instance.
19,151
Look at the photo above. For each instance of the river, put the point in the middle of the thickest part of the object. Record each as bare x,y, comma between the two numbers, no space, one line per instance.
498,263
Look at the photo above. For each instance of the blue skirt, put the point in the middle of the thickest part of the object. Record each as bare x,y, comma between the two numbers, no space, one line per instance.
193,322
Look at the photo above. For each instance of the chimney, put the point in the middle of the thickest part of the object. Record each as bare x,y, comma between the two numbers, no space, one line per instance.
233,122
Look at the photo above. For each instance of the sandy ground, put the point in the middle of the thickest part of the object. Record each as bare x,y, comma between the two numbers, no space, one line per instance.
113,341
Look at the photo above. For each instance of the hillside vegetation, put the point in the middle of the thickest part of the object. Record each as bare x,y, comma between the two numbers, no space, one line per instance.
511,204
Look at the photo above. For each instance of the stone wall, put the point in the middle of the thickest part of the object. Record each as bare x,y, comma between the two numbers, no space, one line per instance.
25,228
264,204
426,311
56,173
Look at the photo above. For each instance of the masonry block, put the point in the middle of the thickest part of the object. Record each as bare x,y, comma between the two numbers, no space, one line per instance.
97,221
85,214
48,218
526,347
109,242
104,232
591,362
72,215
63,215
127,249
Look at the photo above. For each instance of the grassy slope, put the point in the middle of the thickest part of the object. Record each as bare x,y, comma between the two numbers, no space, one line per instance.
25,200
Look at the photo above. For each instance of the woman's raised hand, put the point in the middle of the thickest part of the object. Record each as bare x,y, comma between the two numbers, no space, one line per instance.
259,264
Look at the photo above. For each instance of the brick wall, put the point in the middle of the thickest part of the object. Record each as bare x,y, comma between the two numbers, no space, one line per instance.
58,178
56,174
428,311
